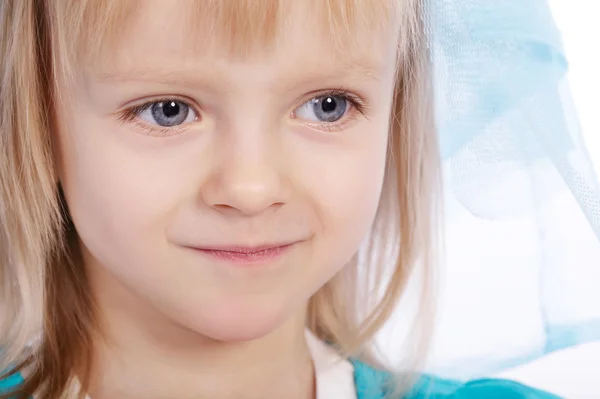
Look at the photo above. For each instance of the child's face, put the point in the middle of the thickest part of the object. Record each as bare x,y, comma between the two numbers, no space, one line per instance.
167,153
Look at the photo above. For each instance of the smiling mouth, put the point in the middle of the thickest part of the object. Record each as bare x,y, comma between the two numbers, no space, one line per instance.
247,255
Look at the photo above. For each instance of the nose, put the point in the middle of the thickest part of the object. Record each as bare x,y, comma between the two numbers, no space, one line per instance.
247,181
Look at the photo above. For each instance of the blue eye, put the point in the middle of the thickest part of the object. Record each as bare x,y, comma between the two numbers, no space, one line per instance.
324,109
167,113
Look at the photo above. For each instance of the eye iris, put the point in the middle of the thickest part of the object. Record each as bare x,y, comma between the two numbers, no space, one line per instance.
330,108
170,113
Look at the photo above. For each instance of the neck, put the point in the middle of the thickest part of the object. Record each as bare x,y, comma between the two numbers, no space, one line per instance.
142,354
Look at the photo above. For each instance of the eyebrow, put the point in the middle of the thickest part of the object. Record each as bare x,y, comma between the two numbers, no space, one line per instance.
200,76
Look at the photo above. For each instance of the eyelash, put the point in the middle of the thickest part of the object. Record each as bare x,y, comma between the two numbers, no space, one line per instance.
131,114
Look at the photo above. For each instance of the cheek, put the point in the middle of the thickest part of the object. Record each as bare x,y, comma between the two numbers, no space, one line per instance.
345,184
118,199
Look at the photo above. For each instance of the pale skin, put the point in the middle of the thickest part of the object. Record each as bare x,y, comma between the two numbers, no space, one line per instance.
253,163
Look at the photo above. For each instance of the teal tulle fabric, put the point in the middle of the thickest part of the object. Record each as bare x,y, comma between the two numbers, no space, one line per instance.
522,200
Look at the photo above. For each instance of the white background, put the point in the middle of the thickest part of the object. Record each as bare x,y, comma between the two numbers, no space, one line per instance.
579,21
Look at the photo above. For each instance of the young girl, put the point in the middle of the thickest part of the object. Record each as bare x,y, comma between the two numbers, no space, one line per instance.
185,189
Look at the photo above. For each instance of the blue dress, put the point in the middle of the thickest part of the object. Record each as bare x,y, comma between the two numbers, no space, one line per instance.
370,384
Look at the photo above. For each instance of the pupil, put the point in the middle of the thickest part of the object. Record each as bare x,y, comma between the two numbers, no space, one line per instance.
171,109
329,104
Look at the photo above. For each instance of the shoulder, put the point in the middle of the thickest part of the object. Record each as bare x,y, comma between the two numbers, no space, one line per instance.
500,389
9,382
371,383
488,388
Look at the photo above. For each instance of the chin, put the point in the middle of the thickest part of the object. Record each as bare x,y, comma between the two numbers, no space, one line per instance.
241,323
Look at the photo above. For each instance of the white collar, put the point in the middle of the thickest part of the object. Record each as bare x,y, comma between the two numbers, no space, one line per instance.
334,375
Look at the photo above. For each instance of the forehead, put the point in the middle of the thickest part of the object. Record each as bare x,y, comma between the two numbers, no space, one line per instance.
353,33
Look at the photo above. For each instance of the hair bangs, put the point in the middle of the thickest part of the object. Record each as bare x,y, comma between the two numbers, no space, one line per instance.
87,32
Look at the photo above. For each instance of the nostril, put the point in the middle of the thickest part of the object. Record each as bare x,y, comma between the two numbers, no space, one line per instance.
223,207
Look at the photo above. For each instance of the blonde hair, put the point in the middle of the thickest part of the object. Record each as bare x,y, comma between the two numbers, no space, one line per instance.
47,318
